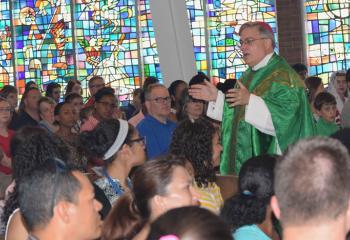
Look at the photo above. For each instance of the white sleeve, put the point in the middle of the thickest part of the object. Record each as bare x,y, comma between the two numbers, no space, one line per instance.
215,109
258,115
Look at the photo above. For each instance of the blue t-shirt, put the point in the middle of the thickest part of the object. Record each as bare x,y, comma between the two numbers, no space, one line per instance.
250,232
158,135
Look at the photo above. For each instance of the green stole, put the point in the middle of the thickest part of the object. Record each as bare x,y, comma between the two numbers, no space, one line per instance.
284,94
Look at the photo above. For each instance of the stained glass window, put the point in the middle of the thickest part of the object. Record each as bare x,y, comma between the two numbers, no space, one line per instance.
148,41
328,30
43,41
6,66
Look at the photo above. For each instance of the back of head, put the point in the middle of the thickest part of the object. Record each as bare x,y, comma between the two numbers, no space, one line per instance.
312,182
194,141
132,210
298,67
32,147
39,193
199,78
324,98
189,223
312,84
255,182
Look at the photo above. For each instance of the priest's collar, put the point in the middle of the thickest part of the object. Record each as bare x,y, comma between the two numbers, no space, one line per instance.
263,62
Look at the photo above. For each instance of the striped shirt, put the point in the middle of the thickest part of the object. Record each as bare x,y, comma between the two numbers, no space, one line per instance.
210,197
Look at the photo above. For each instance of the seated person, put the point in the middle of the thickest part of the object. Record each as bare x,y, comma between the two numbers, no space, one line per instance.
158,186
121,148
156,126
312,190
46,113
326,108
59,204
249,212
28,114
198,141
105,105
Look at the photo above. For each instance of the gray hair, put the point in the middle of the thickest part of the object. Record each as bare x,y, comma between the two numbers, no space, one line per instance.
263,31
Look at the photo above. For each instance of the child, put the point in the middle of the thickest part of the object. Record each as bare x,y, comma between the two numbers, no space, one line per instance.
326,108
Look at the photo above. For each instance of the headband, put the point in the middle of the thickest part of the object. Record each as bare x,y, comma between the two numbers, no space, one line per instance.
123,132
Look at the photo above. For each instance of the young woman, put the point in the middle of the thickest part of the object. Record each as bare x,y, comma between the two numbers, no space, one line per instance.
190,108
73,86
121,147
158,186
5,135
198,142
66,119
248,212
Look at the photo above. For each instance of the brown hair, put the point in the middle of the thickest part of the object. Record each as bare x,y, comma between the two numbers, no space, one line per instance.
312,181
132,210
70,86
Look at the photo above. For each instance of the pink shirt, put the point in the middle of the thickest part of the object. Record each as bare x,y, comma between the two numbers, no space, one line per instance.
89,124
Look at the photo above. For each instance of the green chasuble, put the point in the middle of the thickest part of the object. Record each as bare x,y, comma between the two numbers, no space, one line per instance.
284,94
324,128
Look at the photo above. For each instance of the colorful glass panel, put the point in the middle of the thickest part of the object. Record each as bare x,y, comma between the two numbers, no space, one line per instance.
6,54
43,41
328,41
149,51
196,15
107,43
225,18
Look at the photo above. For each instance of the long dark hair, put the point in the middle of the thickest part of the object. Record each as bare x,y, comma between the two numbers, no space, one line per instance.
132,210
32,147
255,182
193,140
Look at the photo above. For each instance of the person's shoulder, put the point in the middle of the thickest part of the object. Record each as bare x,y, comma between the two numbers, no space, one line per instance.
251,232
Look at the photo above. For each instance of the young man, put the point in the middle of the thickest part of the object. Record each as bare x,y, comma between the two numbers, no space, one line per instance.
312,188
59,205
326,108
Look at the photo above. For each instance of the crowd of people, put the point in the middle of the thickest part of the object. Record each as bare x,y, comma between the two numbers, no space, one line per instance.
149,170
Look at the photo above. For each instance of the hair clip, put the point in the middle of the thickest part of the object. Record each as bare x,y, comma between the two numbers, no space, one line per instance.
247,193
169,237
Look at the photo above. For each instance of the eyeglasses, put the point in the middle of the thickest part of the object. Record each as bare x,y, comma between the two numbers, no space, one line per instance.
107,104
142,140
249,41
5,110
161,100
61,167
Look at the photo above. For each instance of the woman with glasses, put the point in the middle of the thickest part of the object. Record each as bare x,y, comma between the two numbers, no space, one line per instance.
190,108
5,135
121,147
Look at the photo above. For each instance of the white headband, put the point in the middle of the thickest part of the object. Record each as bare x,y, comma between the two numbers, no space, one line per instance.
123,132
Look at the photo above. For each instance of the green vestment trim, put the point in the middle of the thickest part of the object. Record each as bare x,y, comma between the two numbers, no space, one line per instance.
284,94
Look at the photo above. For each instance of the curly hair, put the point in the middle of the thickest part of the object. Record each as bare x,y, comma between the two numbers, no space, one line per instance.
193,140
96,143
255,182
32,147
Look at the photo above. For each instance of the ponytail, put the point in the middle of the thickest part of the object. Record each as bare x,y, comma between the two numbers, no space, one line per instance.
124,220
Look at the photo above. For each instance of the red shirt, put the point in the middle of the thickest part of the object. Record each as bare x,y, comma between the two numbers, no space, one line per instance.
5,146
